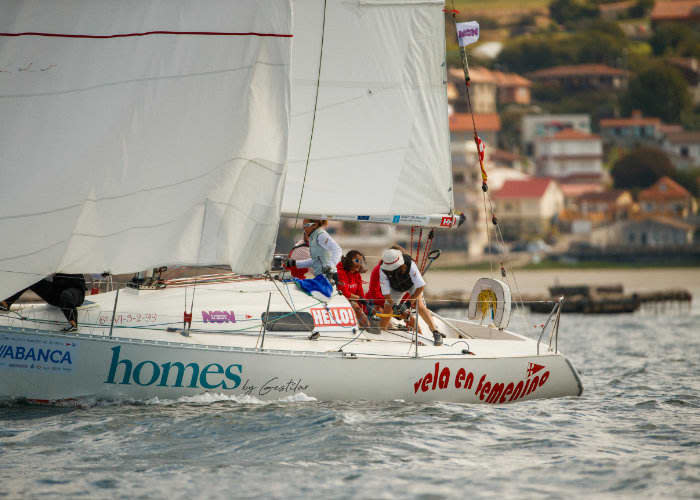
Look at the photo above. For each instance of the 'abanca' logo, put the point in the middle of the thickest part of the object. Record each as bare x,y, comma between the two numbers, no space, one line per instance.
22,353
172,373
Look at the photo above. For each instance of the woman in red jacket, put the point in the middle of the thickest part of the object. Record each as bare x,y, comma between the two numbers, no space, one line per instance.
349,269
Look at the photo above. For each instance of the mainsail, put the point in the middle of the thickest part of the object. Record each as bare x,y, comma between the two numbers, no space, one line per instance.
138,133
369,131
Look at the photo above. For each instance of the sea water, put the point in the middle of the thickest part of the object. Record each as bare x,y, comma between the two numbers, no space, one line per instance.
635,432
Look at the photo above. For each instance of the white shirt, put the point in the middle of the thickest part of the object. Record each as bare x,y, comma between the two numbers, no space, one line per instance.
413,272
326,242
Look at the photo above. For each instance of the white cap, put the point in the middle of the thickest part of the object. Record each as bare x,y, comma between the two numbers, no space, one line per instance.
392,259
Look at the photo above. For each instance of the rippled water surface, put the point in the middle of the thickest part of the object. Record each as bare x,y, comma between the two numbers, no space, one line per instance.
634,432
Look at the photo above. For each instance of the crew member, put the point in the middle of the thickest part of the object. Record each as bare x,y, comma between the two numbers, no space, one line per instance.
66,291
298,252
374,291
325,252
350,283
399,274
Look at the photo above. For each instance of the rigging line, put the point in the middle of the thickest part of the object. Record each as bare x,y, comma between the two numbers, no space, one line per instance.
486,223
313,120
288,304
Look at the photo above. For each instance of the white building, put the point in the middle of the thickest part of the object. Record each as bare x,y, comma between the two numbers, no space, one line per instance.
527,207
684,148
569,152
534,126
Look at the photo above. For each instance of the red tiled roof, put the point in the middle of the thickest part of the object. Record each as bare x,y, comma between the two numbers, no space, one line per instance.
462,122
583,178
686,63
685,137
634,121
478,74
607,196
502,155
574,190
525,188
569,134
664,189
511,80
676,9
670,128
617,6
577,70
570,157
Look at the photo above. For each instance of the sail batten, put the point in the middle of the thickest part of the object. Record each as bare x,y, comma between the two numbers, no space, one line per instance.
141,133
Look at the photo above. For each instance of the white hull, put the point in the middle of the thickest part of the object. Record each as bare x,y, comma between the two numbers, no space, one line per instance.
143,363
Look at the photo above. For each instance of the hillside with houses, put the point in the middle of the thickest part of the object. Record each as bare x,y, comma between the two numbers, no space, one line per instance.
592,136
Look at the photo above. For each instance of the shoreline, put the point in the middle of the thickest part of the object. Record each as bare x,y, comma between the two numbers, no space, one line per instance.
531,281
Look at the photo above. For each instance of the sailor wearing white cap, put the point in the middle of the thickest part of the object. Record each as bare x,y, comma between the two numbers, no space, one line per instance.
400,275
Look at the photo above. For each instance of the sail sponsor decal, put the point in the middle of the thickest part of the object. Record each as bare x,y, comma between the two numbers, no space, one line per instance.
194,375
486,389
446,221
333,317
467,33
44,355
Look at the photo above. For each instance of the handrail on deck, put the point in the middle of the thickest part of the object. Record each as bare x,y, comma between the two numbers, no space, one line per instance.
554,332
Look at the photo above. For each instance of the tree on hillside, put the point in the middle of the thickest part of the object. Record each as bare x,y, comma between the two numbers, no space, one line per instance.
641,9
569,11
675,39
689,179
659,91
596,41
530,53
641,168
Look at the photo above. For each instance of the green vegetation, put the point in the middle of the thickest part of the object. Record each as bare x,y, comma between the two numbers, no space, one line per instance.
688,178
658,90
466,6
641,168
571,11
597,42
676,39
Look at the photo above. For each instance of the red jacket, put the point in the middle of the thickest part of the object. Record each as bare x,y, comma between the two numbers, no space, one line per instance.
375,290
349,283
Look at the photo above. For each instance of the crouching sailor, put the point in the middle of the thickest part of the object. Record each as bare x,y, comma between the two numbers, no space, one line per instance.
66,291
325,252
399,274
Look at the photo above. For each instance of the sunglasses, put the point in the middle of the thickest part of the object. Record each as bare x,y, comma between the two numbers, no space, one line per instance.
310,224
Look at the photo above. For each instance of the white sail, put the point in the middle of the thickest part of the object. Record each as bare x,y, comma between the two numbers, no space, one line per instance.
379,143
164,145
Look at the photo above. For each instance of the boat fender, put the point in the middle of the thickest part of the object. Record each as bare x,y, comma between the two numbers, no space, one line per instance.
491,297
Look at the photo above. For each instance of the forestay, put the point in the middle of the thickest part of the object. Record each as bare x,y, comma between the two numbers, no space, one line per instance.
124,152
379,144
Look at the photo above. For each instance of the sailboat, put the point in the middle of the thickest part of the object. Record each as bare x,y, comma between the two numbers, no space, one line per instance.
141,134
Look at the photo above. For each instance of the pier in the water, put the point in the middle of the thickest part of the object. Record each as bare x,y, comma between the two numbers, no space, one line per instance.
586,299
